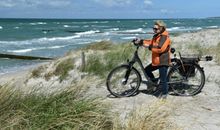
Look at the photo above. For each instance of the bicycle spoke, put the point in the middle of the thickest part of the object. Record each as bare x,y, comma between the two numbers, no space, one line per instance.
120,84
186,84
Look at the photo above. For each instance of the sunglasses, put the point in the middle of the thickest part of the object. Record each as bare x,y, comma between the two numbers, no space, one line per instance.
155,28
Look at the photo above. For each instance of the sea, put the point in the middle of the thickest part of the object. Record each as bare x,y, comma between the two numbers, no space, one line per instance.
55,37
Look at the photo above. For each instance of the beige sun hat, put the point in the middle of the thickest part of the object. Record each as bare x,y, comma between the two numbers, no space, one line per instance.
160,23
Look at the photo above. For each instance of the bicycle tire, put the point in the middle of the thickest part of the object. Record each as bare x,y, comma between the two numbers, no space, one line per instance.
183,86
115,79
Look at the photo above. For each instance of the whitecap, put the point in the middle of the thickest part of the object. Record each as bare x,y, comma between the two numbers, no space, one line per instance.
212,27
1,27
55,47
40,40
34,49
38,23
134,30
16,27
112,29
22,50
61,38
41,23
127,38
88,32
66,26
176,23
174,28
184,28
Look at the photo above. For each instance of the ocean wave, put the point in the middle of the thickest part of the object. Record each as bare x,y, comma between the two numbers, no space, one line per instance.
127,38
34,49
99,26
212,27
88,32
1,27
39,40
60,38
21,50
173,29
112,29
66,26
134,30
38,23
90,22
86,26
16,27
177,23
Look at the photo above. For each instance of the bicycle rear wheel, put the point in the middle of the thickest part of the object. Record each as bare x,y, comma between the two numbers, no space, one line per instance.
123,81
186,83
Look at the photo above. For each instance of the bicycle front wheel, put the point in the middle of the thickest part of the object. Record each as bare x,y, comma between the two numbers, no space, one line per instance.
123,81
186,83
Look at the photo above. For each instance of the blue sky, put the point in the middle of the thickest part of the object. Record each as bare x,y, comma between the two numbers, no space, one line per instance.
143,9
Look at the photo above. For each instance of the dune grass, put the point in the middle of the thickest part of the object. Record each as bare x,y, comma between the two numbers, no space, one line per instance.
211,50
155,116
63,68
64,110
217,53
101,64
102,45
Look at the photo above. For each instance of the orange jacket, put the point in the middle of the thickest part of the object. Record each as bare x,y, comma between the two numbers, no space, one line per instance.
160,49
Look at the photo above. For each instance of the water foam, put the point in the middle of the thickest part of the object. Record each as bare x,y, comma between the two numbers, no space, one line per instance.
88,32
66,26
38,23
179,29
34,49
134,30
127,38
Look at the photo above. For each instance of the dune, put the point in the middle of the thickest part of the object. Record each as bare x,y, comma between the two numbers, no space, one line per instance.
197,112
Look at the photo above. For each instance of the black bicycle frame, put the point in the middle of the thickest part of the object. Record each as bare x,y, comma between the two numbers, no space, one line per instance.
135,59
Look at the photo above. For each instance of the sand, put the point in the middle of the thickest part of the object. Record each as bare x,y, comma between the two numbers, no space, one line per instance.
200,112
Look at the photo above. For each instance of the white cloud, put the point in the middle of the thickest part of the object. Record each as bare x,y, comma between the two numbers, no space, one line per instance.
166,11
7,3
34,3
114,2
148,2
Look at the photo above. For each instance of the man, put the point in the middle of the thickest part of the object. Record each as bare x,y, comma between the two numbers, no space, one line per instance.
160,47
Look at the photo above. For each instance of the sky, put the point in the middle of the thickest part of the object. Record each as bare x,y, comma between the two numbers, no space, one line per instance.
104,9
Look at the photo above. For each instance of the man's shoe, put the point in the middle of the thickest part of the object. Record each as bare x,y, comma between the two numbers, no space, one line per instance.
163,96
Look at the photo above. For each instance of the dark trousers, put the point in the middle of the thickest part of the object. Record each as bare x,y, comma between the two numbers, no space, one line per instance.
163,76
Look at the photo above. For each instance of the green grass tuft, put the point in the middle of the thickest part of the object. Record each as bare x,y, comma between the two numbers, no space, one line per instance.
101,64
64,110
63,68
102,45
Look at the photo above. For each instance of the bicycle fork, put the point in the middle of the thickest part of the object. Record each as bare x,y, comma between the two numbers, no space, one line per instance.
128,72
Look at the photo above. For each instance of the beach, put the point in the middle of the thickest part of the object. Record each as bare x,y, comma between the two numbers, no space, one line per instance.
197,112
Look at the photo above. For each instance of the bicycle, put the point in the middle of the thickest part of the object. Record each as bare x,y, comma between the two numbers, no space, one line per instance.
185,76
